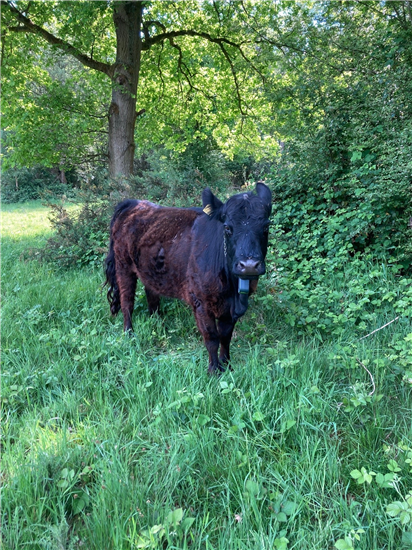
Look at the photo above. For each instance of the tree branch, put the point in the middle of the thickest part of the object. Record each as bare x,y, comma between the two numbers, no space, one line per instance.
370,6
371,377
232,68
147,24
380,328
180,63
161,72
217,12
221,42
29,26
186,73
3,47
152,40
409,11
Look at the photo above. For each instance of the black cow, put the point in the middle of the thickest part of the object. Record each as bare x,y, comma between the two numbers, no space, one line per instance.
210,258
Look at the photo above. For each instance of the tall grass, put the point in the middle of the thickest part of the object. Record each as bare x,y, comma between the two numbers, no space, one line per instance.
116,442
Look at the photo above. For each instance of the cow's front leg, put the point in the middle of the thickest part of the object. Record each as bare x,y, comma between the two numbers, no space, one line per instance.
207,325
225,329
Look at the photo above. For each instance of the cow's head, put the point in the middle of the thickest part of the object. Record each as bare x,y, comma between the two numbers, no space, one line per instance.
245,219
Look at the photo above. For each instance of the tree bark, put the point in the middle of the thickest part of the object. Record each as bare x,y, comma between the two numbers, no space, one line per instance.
127,18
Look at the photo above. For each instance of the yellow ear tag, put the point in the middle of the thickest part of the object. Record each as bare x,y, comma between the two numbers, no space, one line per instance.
208,209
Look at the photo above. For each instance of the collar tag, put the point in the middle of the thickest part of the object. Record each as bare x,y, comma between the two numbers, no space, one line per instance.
243,287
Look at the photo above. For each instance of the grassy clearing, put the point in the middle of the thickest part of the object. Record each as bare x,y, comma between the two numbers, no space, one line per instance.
114,442
23,223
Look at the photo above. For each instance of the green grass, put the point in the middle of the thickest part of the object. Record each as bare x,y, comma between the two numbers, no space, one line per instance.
104,435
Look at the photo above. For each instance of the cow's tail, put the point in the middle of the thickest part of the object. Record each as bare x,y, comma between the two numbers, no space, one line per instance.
113,294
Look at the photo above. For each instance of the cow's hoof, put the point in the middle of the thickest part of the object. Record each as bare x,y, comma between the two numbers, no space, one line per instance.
225,363
215,370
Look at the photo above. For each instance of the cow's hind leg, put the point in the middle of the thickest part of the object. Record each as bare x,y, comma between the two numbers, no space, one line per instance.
153,301
126,281
225,329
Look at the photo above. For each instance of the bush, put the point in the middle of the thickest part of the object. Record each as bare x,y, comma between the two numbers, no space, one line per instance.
81,232
179,179
24,184
343,243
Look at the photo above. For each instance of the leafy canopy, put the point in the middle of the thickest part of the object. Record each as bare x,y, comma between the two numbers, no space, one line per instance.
203,68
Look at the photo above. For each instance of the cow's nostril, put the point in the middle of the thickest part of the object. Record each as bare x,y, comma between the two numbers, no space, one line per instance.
249,265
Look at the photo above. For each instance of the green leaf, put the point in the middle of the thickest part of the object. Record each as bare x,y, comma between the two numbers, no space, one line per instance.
405,517
289,507
233,429
203,419
143,542
175,516
385,481
344,544
258,416
281,543
356,155
252,487
157,529
187,523
407,539
394,508
393,466
287,426
79,504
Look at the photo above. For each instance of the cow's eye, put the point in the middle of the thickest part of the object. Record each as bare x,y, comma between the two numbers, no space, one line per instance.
228,229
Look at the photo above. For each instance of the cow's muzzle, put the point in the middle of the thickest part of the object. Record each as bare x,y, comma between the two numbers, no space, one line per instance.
250,268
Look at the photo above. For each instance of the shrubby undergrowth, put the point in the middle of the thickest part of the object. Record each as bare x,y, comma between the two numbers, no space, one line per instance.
342,223
24,184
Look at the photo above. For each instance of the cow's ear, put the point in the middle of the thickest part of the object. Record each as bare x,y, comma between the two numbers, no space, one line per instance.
211,204
265,194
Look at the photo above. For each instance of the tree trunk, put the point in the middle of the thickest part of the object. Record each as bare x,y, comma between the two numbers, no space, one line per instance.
127,18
